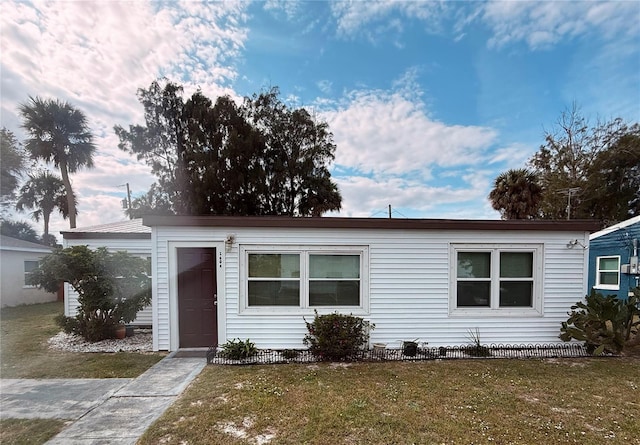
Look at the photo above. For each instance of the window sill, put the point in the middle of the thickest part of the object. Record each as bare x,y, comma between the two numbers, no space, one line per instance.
486,312
605,287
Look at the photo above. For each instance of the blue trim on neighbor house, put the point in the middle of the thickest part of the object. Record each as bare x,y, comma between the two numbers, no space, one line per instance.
615,243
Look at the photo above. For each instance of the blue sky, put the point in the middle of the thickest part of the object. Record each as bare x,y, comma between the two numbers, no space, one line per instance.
427,101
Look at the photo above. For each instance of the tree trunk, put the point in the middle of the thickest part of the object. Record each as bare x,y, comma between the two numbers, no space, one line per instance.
70,198
45,217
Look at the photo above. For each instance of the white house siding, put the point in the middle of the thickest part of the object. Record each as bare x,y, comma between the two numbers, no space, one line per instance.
408,284
137,247
13,291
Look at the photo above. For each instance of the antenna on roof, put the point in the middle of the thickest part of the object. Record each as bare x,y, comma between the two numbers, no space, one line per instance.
569,192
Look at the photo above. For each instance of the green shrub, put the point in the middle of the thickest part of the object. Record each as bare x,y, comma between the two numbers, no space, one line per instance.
112,287
336,336
237,349
69,325
604,324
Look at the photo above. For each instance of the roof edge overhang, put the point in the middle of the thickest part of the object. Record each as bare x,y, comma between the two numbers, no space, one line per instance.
105,235
369,223
25,249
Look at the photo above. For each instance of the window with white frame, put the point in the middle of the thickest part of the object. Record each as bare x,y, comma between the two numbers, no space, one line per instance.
29,267
288,278
608,272
497,279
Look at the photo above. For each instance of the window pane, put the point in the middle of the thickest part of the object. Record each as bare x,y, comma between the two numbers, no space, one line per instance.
334,266
516,293
274,265
516,264
30,266
609,278
274,293
334,293
474,293
474,264
608,264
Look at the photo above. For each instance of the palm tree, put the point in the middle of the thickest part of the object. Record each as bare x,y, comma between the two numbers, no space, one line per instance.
58,133
44,192
516,194
11,163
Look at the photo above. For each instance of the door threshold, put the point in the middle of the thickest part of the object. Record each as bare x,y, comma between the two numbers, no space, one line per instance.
190,352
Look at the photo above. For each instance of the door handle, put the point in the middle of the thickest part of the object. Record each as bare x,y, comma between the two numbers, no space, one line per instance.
215,299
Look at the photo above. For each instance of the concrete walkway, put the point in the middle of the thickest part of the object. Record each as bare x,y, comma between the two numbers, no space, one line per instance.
102,411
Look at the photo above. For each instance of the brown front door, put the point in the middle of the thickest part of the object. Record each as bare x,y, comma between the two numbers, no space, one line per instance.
197,310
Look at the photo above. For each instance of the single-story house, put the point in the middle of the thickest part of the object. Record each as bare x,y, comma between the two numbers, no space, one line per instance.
613,259
130,236
218,278
17,259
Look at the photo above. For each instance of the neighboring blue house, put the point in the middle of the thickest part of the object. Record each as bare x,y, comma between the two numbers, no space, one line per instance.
613,258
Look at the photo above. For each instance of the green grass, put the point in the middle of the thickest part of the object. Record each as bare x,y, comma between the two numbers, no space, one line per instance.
24,331
32,431
585,401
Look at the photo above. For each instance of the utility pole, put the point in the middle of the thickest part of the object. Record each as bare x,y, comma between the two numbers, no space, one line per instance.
127,202
389,211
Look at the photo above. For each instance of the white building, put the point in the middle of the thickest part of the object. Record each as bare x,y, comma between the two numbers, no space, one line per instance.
220,278
17,259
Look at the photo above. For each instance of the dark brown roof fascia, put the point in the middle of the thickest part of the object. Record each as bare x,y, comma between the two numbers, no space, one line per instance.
104,235
369,223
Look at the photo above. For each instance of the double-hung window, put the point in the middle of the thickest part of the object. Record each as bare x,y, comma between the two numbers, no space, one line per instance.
29,267
302,278
496,279
608,272
274,279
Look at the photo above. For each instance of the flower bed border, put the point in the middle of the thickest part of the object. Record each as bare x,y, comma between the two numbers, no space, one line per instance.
493,351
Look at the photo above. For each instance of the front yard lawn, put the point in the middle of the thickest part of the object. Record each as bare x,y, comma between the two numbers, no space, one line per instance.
24,351
29,431
585,401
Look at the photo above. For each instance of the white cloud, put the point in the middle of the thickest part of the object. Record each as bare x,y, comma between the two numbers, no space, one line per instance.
512,156
539,24
325,86
357,18
363,196
290,8
390,132
102,52
96,55
391,151
542,24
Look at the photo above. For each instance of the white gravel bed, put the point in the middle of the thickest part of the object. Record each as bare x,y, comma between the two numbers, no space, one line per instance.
139,342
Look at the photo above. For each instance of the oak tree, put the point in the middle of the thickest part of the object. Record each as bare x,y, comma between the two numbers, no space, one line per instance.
222,158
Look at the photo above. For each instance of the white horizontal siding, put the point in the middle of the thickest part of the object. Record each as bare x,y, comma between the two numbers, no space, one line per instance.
408,285
138,247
